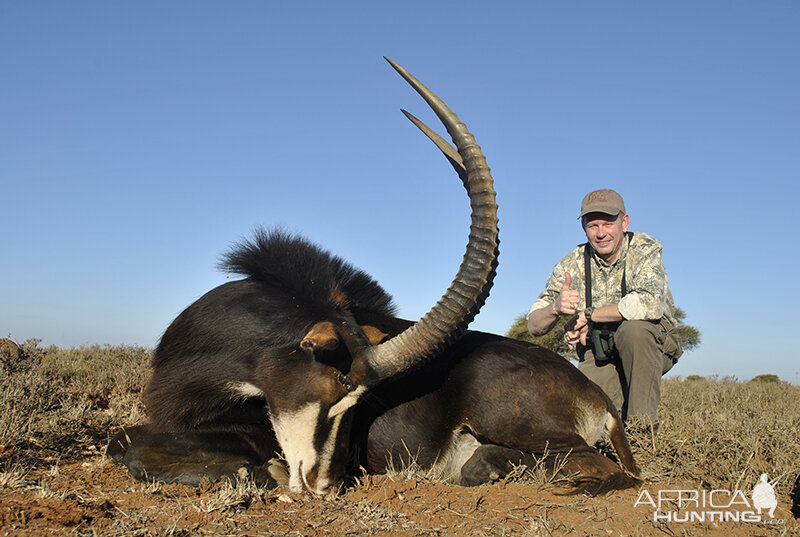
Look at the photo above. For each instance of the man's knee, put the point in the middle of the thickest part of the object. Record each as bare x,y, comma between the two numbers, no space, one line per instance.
633,334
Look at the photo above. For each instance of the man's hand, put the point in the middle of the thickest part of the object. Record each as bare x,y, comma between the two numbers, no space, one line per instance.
568,299
576,330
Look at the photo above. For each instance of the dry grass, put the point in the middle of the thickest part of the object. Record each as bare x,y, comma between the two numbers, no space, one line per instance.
58,404
723,434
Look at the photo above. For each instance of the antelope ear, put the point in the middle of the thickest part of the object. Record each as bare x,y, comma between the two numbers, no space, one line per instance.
321,337
374,335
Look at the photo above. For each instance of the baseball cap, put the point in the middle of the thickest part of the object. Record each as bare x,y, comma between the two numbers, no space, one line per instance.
602,201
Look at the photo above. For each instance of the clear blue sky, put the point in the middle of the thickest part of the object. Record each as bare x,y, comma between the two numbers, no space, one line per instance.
138,140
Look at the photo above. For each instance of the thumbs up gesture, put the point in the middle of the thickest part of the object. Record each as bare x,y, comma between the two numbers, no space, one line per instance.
568,299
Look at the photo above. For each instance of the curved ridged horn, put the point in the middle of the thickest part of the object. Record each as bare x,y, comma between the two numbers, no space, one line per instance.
450,154
449,318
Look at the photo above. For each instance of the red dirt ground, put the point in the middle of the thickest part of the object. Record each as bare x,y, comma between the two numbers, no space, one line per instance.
94,496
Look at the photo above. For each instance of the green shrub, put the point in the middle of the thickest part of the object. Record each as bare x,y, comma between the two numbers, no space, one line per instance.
766,378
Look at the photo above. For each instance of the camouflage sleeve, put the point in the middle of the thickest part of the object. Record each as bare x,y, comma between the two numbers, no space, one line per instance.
570,263
646,278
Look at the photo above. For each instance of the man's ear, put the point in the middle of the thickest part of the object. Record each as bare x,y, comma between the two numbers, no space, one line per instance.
626,221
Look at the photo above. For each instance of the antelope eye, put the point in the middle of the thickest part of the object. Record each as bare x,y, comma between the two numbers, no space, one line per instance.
344,380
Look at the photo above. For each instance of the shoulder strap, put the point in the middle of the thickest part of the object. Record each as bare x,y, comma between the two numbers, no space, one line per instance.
624,286
587,273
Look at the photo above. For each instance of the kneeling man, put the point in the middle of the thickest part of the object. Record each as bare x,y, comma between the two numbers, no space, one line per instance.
624,332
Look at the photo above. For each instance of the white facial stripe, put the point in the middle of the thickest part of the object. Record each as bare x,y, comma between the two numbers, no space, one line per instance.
245,389
326,455
346,402
295,432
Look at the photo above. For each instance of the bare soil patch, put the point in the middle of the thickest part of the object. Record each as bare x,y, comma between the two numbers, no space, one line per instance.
94,496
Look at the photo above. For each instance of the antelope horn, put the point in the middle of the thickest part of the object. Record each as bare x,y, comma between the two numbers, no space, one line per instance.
451,154
448,319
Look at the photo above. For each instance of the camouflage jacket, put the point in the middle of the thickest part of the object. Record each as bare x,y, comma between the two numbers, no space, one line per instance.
648,296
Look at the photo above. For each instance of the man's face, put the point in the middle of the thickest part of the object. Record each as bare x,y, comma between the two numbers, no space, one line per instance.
605,233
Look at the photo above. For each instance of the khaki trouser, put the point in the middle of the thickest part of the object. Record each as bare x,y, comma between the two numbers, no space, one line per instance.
645,350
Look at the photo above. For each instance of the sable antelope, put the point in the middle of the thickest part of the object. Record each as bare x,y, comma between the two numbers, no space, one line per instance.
281,362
